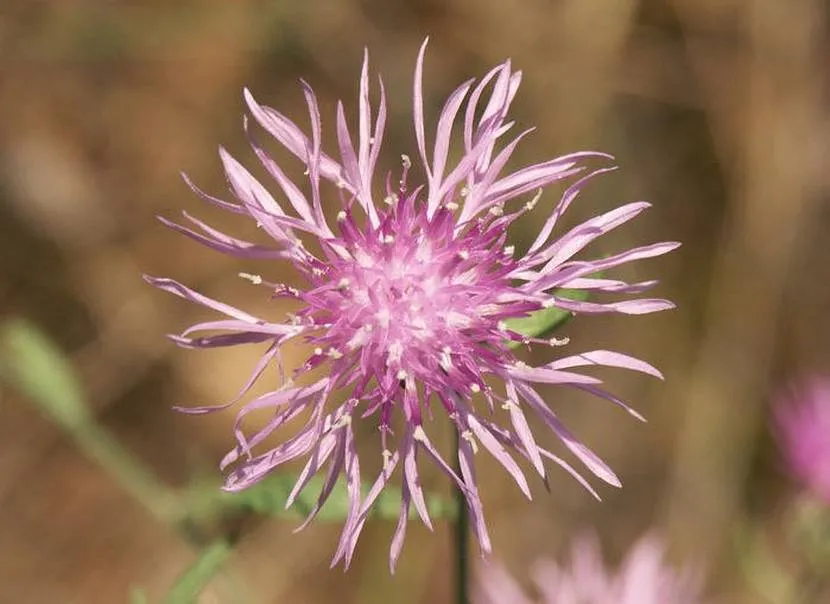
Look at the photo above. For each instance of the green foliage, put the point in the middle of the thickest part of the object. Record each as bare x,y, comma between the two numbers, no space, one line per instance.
192,581
546,320
138,596
269,497
34,365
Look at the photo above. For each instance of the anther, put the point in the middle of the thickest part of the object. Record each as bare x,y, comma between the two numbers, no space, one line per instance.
255,279
468,436
532,203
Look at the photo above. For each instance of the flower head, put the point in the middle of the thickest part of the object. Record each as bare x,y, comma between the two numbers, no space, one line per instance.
803,421
643,578
406,301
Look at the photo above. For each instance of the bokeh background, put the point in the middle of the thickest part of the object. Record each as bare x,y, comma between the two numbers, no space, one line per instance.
718,112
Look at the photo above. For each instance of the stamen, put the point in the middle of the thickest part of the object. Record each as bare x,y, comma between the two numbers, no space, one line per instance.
532,203
559,341
341,216
445,360
255,279
475,388
468,436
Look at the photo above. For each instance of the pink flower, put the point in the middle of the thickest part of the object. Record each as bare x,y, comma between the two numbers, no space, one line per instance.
803,421
407,298
643,578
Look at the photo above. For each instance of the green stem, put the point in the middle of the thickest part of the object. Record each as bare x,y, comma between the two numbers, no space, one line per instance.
100,446
191,582
462,530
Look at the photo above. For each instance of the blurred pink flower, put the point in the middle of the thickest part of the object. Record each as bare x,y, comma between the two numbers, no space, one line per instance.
643,578
406,299
803,421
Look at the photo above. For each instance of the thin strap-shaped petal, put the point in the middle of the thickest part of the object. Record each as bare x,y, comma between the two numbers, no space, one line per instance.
259,368
418,107
583,453
314,156
475,509
219,203
291,137
272,329
609,285
472,104
549,376
225,244
412,480
522,429
220,340
580,236
332,474
174,287
538,176
443,134
348,538
596,391
570,194
501,455
292,192
609,358
641,306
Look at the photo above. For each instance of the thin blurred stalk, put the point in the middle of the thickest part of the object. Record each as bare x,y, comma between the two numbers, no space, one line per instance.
191,582
105,450
462,543
775,93
35,366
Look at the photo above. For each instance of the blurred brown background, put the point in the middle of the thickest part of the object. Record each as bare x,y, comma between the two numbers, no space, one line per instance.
717,111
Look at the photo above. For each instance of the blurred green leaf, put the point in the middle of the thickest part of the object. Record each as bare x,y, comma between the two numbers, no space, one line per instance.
191,582
543,322
138,596
269,496
30,362
35,366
